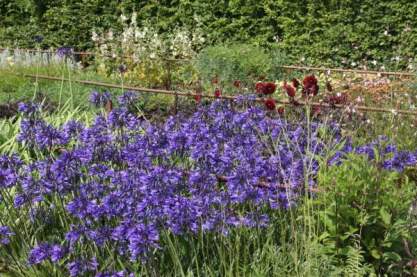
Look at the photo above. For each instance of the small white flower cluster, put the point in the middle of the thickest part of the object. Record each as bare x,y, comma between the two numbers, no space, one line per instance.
144,42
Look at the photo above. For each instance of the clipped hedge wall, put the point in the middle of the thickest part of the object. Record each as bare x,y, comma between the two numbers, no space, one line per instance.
322,31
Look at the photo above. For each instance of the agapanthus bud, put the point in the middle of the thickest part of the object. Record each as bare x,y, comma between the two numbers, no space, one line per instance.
122,68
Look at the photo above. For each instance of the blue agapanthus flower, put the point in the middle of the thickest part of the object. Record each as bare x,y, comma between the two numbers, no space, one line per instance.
99,99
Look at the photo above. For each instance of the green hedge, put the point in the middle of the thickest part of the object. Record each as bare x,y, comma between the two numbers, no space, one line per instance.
322,31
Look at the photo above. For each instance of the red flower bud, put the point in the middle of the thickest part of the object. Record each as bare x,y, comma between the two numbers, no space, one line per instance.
329,86
259,87
295,83
270,104
237,83
281,110
197,98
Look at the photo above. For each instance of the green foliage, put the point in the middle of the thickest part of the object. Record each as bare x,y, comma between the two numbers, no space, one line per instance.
323,32
364,211
243,62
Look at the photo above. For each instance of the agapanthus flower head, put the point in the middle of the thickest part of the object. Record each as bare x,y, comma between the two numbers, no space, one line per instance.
121,117
5,234
128,98
29,109
99,99
82,267
310,86
64,51
400,161
39,253
290,90
270,104
72,129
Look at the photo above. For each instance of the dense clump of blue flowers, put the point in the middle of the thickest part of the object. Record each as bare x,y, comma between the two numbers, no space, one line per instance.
121,181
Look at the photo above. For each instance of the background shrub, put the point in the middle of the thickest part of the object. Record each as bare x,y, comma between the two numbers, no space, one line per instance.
321,32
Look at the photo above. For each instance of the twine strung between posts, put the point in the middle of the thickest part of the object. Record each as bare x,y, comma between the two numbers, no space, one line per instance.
223,97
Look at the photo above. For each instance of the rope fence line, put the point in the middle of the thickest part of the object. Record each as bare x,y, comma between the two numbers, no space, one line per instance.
224,97
343,70
290,67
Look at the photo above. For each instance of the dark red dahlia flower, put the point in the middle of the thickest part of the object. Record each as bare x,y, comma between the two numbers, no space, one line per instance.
289,89
269,88
311,87
270,104
217,93
265,88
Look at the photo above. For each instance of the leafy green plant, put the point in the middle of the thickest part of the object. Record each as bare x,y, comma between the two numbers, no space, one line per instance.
364,211
224,64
